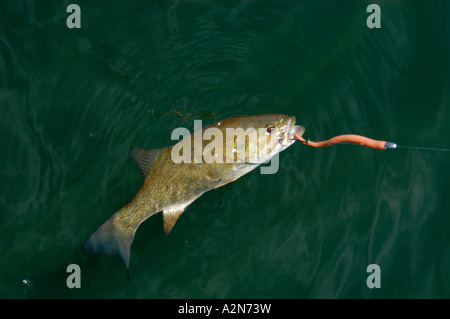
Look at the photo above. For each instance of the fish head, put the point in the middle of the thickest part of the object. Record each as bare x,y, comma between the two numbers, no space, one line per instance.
257,138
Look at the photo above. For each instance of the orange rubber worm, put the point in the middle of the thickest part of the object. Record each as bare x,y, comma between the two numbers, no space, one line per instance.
350,138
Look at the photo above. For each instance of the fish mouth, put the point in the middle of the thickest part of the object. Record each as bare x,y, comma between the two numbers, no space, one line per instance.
292,130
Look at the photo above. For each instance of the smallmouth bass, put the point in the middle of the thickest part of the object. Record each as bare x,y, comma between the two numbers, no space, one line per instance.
171,184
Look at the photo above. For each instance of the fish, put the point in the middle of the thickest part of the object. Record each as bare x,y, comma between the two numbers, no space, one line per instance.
173,181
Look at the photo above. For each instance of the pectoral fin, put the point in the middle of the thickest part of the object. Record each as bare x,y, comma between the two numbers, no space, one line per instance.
170,218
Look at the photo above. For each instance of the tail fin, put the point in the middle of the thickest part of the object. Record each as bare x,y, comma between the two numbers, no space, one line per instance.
111,240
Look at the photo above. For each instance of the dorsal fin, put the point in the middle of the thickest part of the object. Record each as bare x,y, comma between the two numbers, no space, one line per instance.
144,159
171,216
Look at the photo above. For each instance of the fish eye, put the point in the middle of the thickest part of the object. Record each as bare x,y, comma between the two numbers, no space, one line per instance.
270,128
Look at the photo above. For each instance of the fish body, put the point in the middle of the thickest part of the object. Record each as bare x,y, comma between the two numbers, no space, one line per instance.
170,185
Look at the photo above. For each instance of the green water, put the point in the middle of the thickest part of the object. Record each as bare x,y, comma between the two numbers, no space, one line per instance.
73,102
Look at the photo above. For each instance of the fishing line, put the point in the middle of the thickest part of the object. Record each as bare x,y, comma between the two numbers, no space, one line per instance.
425,148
